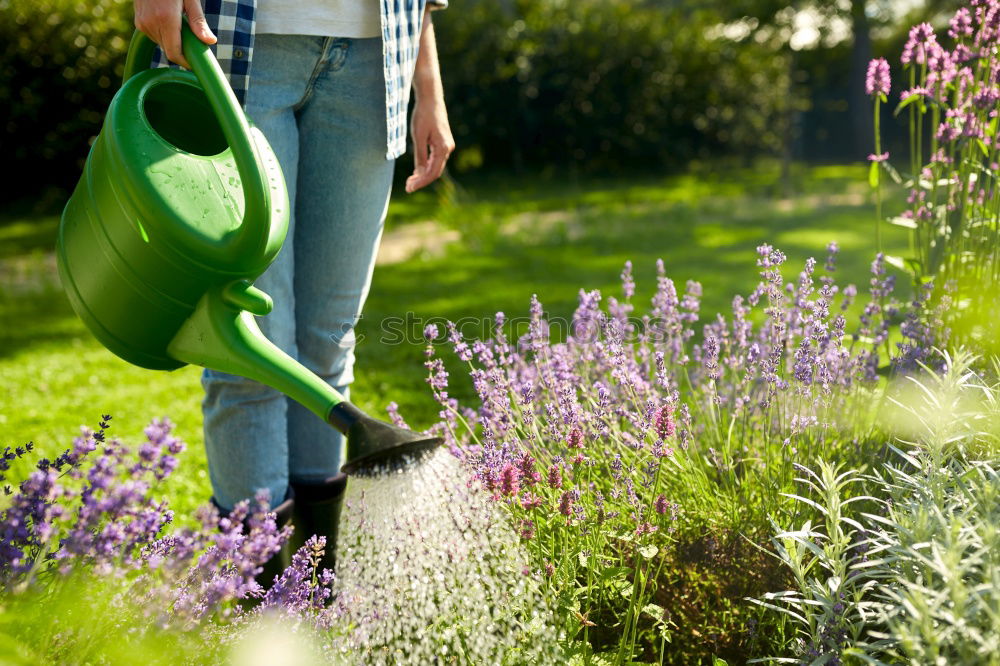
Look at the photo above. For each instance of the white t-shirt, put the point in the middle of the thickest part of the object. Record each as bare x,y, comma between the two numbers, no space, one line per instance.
323,18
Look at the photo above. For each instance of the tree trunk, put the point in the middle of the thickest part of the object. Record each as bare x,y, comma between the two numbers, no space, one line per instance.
859,106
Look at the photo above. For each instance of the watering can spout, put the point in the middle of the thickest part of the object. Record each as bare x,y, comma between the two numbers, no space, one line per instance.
372,444
222,335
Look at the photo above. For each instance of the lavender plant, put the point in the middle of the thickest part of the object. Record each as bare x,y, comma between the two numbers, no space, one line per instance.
88,519
951,97
614,448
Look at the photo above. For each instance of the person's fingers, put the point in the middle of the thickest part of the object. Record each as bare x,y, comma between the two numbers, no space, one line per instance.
430,168
197,21
168,26
420,147
161,22
419,179
438,157
416,181
441,148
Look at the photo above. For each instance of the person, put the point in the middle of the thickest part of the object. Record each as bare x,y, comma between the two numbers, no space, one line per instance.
328,83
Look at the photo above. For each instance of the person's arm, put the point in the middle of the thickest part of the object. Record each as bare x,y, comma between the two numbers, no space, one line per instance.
432,139
161,21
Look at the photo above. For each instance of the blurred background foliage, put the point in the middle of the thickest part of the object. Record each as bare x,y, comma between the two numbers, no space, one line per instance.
532,85
60,63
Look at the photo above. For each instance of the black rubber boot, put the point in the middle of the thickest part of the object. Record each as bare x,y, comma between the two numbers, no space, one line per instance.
280,560
317,512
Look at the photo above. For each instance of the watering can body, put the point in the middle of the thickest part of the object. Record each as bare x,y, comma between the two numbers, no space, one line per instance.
158,217
181,206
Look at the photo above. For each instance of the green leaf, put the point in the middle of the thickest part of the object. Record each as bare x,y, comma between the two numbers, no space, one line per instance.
718,661
898,262
873,175
610,573
649,551
905,222
893,173
982,147
905,103
654,611
597,659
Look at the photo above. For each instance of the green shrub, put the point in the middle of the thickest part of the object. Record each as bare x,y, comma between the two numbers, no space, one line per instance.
603,84
594,83
60,62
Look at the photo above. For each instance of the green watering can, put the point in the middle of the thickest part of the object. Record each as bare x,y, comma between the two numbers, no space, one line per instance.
181,206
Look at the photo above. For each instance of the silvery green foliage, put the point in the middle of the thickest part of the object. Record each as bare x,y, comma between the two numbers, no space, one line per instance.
915,577
832,604
939,555
938,545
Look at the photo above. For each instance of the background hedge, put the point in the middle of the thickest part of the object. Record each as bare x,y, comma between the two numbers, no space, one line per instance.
595,85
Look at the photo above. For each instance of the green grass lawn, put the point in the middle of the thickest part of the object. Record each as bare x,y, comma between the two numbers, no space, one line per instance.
516,237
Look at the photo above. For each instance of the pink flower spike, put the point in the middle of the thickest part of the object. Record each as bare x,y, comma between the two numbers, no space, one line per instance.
878,82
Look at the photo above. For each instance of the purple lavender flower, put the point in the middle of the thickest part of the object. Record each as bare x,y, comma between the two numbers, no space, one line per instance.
961,24
301,587
622,399
566,503
392,409
531,501
663,422
555,477
537,337
877,81
710,357
461,348
509,480
526,466
438,378
644,528
628,282
922,40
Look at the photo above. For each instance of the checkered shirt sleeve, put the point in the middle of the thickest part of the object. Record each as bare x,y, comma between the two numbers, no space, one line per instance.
401,24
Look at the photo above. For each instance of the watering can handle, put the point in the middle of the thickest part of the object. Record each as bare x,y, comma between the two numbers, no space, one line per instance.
252,234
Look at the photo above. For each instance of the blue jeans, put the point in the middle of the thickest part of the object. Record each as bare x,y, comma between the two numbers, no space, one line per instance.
320,101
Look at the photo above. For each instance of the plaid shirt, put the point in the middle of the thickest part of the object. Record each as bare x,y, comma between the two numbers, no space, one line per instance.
233,23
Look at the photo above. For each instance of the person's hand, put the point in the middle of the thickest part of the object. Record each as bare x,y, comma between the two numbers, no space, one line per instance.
160,20
432,142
